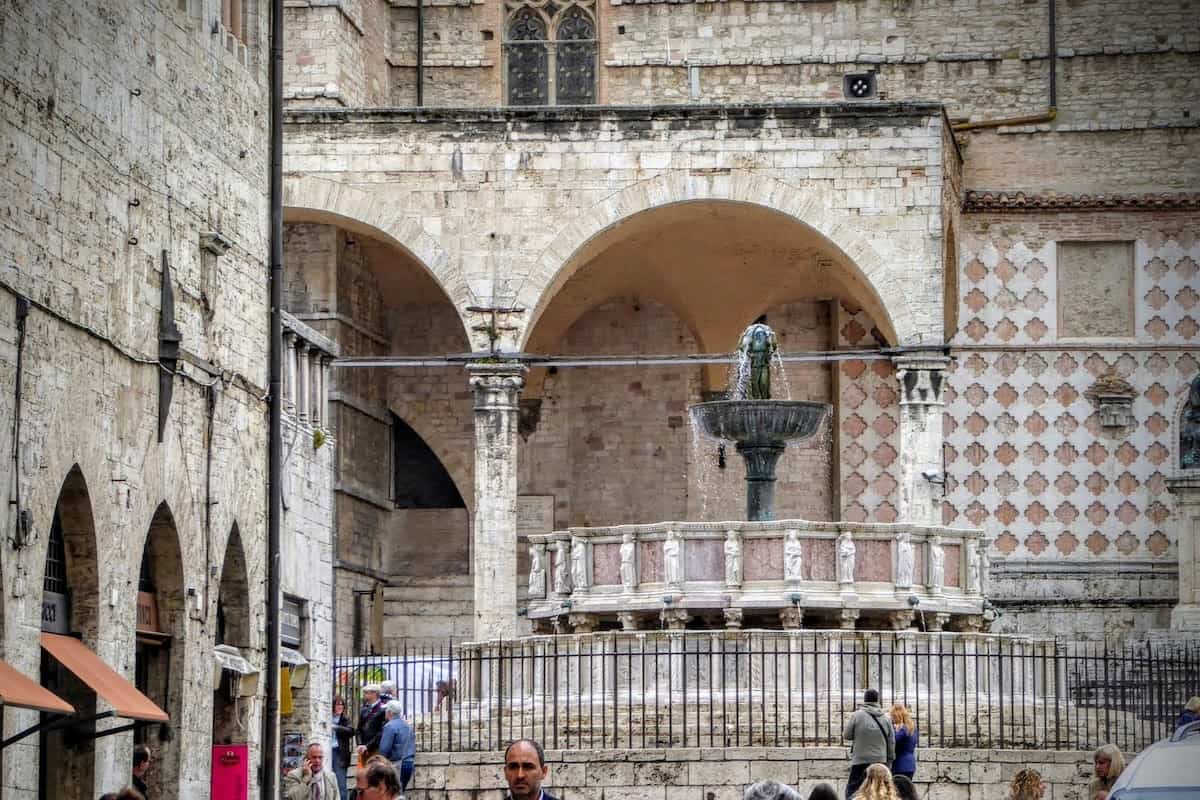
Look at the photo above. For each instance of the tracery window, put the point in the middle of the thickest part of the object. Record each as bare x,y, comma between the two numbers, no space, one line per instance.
550,52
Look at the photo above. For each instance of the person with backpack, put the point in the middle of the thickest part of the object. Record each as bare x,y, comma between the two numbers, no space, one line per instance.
872,741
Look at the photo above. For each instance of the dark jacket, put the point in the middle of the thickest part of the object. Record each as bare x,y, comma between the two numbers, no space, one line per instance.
906,751
545,795
370,727
140,785
343,729
1186,717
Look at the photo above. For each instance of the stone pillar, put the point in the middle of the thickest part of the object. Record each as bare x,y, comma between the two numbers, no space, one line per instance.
1186,490
922,384
326,374
289,372
302,392
497,388
314,372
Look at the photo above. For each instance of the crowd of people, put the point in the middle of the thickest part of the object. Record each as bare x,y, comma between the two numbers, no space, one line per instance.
385,752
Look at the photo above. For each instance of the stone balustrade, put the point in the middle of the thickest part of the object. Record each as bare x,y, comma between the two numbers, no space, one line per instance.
307,359
760,574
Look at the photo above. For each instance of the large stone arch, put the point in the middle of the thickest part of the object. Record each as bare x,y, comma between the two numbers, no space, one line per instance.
311,199
811,206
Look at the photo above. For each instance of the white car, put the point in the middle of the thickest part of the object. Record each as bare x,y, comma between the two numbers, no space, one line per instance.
1166,770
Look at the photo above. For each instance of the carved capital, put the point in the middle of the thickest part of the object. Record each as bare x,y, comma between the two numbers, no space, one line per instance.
498,385
849,617
628,620
676,619
733,618
900,620
921,379
791,618
582,623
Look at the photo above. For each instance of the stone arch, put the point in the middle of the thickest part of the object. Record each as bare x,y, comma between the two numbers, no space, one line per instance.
71,571
810,206
232,627
160,660
311,199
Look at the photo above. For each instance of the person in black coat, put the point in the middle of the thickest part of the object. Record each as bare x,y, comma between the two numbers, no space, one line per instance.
342,728
370,722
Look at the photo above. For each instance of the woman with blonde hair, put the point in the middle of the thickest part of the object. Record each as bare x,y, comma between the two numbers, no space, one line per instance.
877,785
1109,763
906,741
1027,785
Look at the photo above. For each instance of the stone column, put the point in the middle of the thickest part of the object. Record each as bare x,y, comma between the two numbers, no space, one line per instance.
289,372
302,391
922,381
1186,490
497,388
326,374
314,403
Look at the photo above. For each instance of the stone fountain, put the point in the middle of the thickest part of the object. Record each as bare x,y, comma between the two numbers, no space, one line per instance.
758,425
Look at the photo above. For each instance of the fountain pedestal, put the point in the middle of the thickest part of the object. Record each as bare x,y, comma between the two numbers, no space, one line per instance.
761,459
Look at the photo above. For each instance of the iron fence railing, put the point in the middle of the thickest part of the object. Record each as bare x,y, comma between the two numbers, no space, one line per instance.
780,689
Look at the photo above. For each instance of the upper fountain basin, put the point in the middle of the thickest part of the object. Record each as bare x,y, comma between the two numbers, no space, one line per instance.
759,420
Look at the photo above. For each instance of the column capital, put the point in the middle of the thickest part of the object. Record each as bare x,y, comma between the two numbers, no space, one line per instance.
497,384
921,378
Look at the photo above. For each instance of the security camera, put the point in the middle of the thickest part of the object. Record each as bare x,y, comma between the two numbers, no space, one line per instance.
933,476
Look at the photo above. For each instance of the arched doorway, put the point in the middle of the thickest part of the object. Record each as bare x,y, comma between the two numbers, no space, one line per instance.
234,672
70,596
160,642
679,280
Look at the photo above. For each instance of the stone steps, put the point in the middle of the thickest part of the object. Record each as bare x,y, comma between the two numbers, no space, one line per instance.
427,611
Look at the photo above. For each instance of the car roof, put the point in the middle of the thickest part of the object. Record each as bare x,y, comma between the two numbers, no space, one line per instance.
1164,765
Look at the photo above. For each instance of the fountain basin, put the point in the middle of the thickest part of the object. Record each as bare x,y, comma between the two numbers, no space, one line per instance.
759,421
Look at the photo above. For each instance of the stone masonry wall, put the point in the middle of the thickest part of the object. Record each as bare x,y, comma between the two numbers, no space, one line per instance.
1026,457
114,153
723,774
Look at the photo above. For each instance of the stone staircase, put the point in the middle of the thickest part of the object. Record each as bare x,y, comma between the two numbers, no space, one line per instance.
427,611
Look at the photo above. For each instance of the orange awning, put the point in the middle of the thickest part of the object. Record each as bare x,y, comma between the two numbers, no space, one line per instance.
18,690
122,695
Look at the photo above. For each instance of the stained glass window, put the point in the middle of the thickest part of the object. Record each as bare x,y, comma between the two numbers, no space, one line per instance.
550,48
528,60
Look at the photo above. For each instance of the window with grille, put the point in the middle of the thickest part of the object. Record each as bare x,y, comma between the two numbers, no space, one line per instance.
56,559
550,52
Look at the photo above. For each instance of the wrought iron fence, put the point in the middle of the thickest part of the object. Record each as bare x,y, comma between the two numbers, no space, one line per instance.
780,689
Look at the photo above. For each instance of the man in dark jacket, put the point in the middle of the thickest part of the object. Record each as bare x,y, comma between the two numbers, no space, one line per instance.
525,769
141,763
872,740
370,722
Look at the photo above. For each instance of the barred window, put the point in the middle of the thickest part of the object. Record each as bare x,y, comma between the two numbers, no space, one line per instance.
550,52
55,579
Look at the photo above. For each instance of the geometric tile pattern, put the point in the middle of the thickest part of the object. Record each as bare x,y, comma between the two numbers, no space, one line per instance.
868,409
1027,461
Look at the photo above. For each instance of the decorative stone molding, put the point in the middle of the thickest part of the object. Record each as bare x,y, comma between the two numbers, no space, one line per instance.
984,201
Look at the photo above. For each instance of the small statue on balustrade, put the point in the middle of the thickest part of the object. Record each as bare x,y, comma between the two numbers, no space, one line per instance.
562,556
793,557
628,564
845,558
974,586
904,559
537,571
672,559
937,563
579,572
733,559
1189,429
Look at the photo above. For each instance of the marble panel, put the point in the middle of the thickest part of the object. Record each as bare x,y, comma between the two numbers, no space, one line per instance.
820,559
918,564
650,562
606,564
872,560
762,560
704,560
953,565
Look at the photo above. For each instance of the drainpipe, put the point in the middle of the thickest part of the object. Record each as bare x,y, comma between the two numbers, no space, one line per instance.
420,52
269,780
1030,119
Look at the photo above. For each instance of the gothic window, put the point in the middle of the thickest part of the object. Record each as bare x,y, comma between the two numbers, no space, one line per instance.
550,51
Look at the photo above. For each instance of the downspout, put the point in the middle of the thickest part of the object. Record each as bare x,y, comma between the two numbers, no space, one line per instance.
269,780
420,52
1031,119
